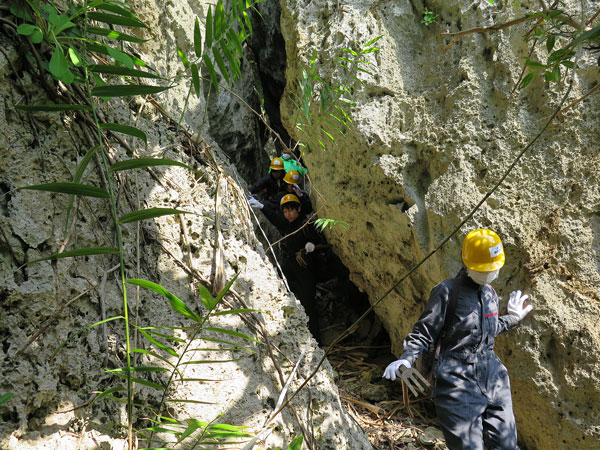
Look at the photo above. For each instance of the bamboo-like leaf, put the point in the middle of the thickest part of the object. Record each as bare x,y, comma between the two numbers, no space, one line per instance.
149,213
177,305
70,188
206,297
193,425
160,345
118,70
125,129
151,384
233,62
112,7
77,178
184,59
124,90
248,22
140,163
113,34
121,57
372,41
197,39
160,430
211,71
236,41
116,19
208,35
221,64
219,21
230,333
196,79
105,50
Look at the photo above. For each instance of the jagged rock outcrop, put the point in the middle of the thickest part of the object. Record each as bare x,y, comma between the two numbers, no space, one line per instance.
434,130
62,298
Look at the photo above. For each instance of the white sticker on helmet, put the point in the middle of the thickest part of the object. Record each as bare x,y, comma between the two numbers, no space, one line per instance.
496,250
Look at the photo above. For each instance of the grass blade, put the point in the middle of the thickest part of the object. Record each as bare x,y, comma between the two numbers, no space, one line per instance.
196,79
235,311
150,213
6,397
125,129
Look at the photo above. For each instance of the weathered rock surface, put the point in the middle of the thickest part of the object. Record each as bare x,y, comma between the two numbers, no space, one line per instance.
434,131
62,298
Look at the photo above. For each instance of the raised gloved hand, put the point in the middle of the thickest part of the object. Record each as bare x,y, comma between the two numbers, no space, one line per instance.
297,190
309,247
255,203
515,305
392,371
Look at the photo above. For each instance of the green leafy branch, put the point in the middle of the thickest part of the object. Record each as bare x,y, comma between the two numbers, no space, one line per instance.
226,31
331,117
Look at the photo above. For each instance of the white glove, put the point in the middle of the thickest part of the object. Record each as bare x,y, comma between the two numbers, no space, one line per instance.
515,305
309,247
297,190
393,370
255,203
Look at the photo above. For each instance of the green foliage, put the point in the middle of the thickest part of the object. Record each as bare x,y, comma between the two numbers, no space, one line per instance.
322,224
554,29
226,30
429,17
69,42
322,123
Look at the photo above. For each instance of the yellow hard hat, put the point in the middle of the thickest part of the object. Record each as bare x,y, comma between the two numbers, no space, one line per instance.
288,198
483,251
276,164
292,177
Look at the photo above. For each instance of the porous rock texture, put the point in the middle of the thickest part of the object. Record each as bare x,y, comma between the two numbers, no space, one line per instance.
434,130
45,303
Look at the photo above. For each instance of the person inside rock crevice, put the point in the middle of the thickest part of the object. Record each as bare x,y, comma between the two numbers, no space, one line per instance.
272,183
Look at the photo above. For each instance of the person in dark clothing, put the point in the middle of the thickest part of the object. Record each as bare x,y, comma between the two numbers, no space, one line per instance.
472,389
301,264
271,183
291,180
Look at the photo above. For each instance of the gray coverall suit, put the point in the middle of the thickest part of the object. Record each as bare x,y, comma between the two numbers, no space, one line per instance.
472,390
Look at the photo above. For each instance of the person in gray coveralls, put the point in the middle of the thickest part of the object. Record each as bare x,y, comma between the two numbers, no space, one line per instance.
472,389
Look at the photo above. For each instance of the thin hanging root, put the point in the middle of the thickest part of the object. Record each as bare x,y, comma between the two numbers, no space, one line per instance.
218,272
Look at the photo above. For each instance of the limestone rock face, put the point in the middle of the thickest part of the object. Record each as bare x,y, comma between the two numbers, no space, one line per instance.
44,304
433,132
